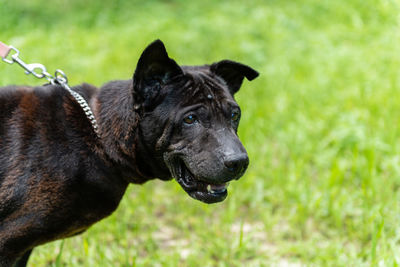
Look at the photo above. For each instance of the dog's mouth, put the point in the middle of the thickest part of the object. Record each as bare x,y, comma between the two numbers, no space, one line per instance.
197,189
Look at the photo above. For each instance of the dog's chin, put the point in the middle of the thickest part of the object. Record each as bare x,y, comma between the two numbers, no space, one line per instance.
200,190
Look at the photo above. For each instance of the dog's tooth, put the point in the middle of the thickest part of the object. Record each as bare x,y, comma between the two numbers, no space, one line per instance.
209,188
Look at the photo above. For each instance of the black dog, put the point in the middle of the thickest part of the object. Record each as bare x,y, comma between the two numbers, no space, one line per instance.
57,177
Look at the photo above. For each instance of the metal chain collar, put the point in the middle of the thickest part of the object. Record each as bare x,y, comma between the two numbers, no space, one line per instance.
39,71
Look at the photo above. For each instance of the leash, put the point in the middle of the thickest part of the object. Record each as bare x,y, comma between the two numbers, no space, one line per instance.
39,71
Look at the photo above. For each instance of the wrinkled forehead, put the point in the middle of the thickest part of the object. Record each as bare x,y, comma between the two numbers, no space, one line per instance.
202,86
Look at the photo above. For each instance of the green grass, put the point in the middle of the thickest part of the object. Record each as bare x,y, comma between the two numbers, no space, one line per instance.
321,125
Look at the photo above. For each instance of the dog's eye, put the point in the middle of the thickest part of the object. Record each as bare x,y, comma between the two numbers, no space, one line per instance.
235,116
190,119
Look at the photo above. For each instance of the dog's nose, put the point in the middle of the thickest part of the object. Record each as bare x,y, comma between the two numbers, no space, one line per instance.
237,164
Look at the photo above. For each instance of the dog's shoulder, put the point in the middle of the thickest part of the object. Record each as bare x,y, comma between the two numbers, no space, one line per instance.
44,91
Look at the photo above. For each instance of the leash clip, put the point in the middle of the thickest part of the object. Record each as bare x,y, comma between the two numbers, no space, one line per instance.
36,69
31,69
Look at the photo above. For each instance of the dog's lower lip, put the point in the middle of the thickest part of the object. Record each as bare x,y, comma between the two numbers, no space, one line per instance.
217,188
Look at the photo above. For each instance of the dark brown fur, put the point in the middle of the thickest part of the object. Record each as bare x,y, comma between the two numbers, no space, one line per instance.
57,178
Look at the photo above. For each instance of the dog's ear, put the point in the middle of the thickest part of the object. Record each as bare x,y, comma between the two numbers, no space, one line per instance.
233,73
154,69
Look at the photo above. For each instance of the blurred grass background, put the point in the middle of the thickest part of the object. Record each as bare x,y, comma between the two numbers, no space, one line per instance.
321,125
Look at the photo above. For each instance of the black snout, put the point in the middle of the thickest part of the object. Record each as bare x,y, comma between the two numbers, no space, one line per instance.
237,164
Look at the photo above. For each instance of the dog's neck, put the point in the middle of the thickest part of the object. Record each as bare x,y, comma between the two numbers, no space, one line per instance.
118,126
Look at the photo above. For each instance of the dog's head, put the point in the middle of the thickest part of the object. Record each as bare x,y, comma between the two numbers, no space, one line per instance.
189,121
